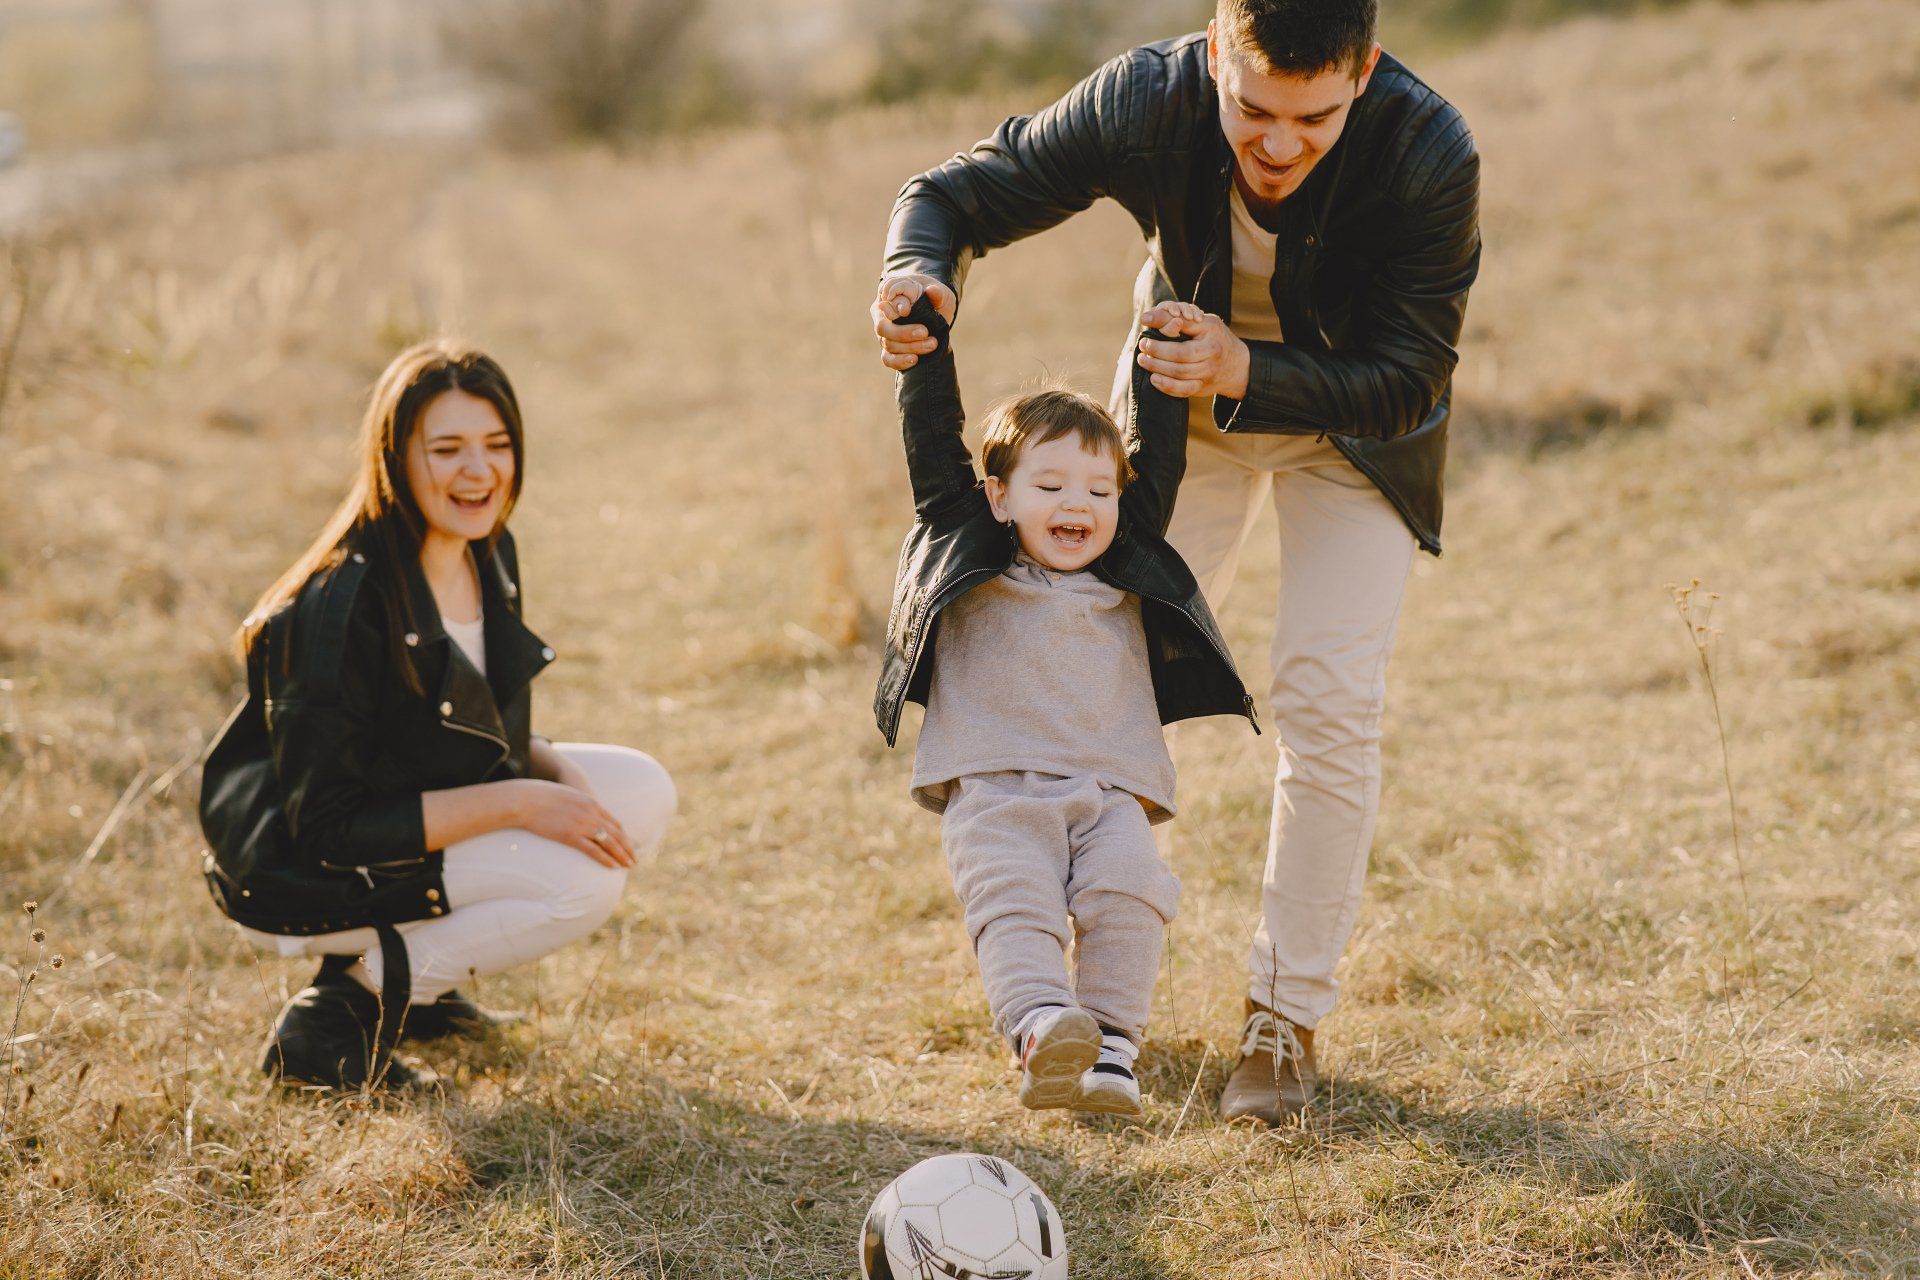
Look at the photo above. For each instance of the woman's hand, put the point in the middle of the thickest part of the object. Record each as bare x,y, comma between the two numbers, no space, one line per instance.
1212,362
571,816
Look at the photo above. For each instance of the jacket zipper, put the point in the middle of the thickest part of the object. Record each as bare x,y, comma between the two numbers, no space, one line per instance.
363,869
1246,699
919,644
920,637
1367,469
501,743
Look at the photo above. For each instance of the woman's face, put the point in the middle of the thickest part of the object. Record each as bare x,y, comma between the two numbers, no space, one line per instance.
460,466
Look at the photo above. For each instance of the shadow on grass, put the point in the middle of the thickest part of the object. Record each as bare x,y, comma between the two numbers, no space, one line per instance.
658,1181
1630,1191
663,1182
1605,1187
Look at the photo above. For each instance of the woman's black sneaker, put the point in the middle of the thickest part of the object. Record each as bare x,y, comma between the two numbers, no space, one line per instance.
326,1035
454,1015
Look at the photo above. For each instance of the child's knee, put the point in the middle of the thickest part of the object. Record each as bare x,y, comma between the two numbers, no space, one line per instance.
1020,918
1141,882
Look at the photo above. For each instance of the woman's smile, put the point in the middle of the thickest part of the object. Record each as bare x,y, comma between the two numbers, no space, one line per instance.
461,466
473,501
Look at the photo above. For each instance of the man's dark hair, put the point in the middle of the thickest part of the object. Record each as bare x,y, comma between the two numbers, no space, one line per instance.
1300,37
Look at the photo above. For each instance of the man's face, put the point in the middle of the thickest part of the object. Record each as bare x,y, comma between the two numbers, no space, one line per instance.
1279,125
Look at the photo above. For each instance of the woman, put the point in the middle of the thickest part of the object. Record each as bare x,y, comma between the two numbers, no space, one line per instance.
379,799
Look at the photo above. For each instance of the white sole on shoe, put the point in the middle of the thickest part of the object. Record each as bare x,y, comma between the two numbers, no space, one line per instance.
1106,1094
1050,1077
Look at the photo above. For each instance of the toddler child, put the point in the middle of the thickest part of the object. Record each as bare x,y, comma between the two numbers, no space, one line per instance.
1068,631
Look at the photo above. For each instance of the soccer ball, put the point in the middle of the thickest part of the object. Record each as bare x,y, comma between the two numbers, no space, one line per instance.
963,1217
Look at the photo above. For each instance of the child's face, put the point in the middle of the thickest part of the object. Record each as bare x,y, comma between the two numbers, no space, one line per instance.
1063,500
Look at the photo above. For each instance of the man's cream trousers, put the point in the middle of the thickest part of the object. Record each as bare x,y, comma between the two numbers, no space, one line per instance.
1344,558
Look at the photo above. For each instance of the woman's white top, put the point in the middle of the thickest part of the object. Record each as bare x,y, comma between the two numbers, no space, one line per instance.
472,639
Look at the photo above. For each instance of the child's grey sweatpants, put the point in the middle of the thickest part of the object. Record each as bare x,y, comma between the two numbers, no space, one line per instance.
1040,861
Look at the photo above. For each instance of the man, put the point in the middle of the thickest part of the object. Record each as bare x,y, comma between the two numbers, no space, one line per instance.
1322,202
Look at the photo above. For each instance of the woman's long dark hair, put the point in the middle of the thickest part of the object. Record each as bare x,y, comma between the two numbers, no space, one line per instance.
380,510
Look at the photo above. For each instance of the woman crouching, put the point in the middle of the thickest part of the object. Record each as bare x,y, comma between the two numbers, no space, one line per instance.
379,799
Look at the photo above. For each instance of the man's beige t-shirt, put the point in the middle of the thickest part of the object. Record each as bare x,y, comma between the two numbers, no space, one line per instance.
1254,319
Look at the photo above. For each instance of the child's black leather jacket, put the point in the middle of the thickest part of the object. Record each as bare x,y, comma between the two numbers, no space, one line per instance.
956,544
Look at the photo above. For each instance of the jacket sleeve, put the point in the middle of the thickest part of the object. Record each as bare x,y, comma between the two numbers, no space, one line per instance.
1410,317
1033,173
324,737
1157,440
931,422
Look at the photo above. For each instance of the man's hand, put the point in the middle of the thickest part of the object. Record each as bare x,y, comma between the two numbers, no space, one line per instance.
902,345
1212,362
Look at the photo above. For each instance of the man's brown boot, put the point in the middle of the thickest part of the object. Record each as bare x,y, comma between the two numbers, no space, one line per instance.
1275,1077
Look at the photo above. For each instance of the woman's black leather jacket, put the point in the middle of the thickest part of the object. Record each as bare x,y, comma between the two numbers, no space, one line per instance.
310,800
956,544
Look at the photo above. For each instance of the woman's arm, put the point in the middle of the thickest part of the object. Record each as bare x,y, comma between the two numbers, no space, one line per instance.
320,718
557,810
545,762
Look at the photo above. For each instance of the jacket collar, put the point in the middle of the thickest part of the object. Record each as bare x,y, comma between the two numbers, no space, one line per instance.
515,655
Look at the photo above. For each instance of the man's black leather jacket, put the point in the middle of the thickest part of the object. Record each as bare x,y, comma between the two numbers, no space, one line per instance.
310,799
1376,249
956,544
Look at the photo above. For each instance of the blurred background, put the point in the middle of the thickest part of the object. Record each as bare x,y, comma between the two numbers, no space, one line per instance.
1633,992
91,88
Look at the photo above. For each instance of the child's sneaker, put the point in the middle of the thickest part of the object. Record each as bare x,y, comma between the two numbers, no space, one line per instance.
1108,1086
1056,1047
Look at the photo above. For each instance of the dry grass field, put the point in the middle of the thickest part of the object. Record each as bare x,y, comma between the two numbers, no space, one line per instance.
1579,1038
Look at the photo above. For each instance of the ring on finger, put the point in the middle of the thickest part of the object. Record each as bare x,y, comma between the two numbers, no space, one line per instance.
600,836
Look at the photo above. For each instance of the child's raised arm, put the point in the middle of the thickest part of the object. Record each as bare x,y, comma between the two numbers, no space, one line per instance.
1157,440
931,420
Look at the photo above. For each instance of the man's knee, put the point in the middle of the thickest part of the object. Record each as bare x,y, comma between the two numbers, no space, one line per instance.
1320,710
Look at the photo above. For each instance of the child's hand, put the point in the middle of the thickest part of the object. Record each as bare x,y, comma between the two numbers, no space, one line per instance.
1213,361
1175,318
901,345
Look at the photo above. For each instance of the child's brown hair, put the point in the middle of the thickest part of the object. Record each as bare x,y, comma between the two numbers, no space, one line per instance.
1041,416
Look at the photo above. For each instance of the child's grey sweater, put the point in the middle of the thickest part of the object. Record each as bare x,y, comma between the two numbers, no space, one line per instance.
1043,672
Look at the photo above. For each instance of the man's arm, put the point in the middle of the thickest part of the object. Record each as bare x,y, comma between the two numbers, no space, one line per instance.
1410,318
1411,315
1033,173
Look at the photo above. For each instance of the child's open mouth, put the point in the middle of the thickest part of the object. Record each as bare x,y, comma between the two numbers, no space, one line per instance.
1071,536
472,502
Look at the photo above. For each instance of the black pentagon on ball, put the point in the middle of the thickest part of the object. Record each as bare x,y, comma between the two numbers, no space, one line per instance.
874,1264
1046,1224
